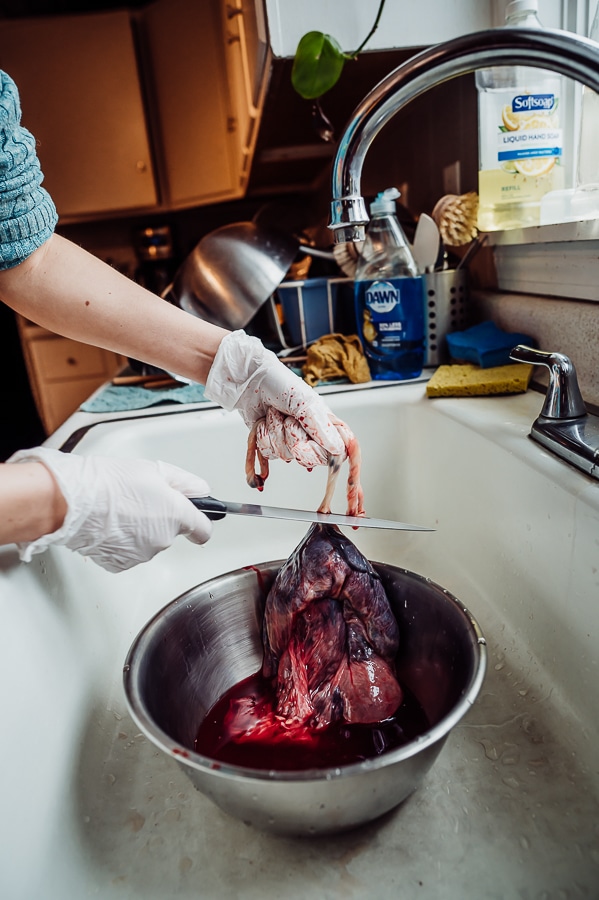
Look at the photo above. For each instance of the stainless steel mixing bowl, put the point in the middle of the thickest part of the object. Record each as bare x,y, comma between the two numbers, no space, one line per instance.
209,639
231,272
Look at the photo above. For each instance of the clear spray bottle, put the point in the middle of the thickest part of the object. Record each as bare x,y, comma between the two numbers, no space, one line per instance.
389,296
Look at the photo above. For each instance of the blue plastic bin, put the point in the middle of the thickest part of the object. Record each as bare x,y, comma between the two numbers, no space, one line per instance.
310,307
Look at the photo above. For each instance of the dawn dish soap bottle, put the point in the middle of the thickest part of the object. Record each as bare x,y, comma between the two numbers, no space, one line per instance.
521,135
389,296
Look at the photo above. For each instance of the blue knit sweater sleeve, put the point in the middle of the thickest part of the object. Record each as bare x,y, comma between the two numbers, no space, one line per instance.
27,214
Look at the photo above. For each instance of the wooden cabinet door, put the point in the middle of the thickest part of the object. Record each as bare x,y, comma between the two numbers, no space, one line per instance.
197,125
81,98
191,113
62,372
247,59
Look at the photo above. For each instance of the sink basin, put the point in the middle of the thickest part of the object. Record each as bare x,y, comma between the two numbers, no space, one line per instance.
511,806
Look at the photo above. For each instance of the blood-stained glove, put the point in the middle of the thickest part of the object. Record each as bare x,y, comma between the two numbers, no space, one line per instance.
287,418
120,512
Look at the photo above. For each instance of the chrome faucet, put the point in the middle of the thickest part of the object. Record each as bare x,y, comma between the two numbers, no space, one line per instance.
564,426
561,51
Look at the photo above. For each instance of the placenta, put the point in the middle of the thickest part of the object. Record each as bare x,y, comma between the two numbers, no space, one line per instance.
327,693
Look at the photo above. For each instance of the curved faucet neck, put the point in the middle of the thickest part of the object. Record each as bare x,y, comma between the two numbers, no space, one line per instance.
560,51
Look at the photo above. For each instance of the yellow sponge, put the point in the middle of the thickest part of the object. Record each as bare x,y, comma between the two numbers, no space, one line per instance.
472,381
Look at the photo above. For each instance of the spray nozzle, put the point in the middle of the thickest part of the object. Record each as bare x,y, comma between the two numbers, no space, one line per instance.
385,202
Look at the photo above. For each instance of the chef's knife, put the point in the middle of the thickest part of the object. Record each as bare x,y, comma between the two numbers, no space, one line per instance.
218,509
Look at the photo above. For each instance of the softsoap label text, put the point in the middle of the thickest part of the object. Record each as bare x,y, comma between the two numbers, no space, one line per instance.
533,103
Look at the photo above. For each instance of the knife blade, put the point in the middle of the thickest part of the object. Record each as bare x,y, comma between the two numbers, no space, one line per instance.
218,509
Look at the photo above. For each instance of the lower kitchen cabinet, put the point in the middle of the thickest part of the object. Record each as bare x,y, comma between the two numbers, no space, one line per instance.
62,372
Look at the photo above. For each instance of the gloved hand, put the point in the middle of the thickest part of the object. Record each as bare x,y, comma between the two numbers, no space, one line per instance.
287,418
120,511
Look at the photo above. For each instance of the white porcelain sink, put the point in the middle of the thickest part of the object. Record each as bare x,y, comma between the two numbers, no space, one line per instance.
511,807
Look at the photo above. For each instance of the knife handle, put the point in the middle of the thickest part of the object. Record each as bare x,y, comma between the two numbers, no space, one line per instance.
211,507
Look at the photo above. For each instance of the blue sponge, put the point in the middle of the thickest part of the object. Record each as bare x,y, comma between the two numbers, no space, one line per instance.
485,345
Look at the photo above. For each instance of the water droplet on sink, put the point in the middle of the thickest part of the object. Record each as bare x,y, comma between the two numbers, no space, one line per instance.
481,640
524,842
490,749
511,782
510,758
127,668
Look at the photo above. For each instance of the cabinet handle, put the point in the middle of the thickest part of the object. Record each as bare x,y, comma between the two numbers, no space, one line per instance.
233,11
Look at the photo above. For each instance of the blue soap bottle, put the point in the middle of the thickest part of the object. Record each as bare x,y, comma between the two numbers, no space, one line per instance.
389,296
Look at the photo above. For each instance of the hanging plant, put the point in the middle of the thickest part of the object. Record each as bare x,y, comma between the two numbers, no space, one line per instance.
319,61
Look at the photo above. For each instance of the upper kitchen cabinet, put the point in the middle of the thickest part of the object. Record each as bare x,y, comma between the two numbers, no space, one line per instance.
403,24
205,63
248,69
146,110
81,97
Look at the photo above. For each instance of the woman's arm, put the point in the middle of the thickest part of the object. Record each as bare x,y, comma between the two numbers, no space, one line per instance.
31,502
69,291
118,512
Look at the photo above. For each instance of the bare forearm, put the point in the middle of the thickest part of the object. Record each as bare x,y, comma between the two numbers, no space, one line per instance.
31,503
69,291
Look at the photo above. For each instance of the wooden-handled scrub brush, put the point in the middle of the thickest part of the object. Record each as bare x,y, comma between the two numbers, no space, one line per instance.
455,215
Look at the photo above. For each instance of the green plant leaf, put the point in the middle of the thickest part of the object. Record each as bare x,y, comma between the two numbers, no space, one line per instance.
317,65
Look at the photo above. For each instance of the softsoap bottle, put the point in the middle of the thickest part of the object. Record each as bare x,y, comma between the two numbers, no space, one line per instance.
389,296
586,198
521,137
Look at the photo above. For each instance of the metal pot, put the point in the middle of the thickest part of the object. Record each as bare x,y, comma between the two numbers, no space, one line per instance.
209,639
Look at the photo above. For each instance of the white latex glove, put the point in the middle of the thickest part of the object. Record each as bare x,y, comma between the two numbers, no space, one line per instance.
287,418
120,511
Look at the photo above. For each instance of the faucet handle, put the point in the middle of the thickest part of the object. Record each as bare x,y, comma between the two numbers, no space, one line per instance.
563,399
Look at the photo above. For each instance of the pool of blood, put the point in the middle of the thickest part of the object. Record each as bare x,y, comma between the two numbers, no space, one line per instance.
242,729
